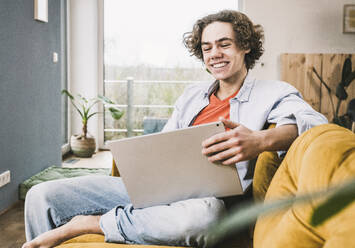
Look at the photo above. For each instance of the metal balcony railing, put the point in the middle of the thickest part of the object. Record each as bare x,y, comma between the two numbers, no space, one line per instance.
129,106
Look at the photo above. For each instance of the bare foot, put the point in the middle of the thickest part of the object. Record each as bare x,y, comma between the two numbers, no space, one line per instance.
78,225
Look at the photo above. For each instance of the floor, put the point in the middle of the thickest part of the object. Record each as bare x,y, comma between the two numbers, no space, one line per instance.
102,159
12,228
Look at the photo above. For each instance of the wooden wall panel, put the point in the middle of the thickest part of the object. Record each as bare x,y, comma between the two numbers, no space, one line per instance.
297,70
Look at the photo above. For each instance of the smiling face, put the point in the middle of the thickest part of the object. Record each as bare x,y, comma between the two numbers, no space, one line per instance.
221,54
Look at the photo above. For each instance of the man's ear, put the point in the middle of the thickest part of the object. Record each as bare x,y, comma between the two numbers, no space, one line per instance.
247,51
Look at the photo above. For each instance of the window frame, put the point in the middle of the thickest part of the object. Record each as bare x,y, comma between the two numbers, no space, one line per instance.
65,65
100,66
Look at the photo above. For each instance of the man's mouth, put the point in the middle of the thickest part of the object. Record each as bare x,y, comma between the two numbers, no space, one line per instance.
219,65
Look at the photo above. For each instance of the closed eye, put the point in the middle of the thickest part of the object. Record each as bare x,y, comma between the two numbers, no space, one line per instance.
225,45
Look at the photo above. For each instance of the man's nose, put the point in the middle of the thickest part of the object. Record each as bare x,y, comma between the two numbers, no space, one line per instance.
216,52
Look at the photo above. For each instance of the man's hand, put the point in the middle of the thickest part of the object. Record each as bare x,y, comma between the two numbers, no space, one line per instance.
241,143
235,145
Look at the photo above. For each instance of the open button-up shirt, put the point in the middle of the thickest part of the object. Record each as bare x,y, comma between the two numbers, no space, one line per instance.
257,102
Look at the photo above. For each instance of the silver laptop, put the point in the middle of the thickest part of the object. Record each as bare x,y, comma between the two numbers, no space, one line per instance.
167,167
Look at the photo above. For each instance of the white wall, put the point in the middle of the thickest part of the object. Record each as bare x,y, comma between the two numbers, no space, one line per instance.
298,26
83,52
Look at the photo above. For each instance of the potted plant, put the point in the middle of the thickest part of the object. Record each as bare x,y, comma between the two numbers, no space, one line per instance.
83,145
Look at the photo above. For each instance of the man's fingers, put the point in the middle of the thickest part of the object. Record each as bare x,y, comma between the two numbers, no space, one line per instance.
229,124
233,160
224,155
221,136
221,146
217,138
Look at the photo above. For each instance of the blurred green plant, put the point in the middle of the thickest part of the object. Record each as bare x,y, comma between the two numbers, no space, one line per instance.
347,77
84,107
240,218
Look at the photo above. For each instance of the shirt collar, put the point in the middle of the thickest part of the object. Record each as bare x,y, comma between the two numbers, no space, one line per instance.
243,94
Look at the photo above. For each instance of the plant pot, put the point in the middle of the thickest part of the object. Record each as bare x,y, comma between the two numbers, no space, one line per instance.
81,147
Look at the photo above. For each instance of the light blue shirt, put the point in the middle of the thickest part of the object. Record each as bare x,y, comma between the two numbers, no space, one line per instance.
257,102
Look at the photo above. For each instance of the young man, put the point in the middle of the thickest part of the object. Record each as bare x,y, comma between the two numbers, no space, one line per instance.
228,44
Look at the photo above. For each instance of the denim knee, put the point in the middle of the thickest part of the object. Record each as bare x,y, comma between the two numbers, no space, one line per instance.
181,224
40,202
41,194
39,210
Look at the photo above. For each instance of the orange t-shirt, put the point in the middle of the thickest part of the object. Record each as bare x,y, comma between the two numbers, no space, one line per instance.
215,109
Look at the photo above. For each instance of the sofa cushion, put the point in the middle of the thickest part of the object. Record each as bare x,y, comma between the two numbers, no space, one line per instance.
153,125
96,240
321,157
57,172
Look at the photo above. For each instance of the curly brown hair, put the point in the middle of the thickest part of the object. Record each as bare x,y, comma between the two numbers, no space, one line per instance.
247,35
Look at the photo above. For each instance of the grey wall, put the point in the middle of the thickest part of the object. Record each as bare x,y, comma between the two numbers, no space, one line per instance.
30,103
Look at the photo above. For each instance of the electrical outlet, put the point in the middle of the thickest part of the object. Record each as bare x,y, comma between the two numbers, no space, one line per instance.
5,178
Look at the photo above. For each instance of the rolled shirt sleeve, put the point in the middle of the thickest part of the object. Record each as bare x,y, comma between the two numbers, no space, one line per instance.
292,109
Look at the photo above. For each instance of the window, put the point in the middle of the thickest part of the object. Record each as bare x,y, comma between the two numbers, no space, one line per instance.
146,66
64,78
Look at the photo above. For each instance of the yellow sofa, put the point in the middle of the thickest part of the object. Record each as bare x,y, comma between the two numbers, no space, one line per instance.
320,157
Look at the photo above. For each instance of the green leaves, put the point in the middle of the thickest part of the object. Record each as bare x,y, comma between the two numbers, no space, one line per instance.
346,70
115,113
104,99
341,198
349,79
65,92
246,215
84,106
347,76
351,110
341,93
72,100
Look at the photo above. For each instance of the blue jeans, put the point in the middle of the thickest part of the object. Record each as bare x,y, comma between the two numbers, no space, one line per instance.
52,204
